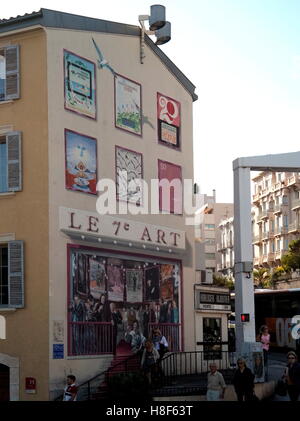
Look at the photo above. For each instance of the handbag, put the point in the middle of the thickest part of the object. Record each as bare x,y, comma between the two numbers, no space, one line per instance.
281,388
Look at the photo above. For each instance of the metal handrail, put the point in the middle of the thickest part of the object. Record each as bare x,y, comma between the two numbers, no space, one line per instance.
98,376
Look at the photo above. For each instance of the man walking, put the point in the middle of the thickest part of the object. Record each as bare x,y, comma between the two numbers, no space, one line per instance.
70,392
215,384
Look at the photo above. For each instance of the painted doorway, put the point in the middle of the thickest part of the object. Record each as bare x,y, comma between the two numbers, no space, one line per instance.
4,383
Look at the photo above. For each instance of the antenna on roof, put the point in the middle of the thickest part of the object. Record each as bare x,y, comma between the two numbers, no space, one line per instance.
158,26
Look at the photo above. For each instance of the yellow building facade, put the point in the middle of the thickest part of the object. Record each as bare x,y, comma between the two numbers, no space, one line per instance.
58,106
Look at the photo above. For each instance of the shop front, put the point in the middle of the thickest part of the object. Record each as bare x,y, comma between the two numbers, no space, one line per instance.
212,307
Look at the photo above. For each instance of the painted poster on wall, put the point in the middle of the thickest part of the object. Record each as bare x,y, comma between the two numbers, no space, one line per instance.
134,285
115,280
128,105
168,116
81,162
129,173
152,284
80,85
97,277
167,282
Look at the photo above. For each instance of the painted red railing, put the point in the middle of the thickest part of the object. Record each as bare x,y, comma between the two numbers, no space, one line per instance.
91,338
172,333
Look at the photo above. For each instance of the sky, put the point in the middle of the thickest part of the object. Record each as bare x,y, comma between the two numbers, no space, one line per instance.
243,56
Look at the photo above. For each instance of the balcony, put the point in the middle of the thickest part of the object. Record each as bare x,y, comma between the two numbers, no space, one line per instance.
265,235
278,186
293,180
295,204
257,261
257,239
264,214
281,230
294,227
265,258
256,197
279,254
271,257
279,208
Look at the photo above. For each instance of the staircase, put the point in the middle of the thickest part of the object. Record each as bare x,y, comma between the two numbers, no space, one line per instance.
124,362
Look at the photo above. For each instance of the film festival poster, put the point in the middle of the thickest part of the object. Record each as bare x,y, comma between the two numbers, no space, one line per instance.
80,85
129,168
128,105
115,280
152,284
166,284
134,285
97,277
81,162
168,116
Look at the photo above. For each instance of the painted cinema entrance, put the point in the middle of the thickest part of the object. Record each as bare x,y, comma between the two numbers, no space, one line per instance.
112,293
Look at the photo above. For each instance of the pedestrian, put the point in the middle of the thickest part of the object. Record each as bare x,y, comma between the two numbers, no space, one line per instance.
160,342
135,338
264,338
71,389
292,376
215,384
149,360
243,381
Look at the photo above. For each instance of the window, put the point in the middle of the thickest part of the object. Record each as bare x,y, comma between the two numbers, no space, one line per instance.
10,162
285,221
9,73
170,187
210,241
285,200
11,274
209,226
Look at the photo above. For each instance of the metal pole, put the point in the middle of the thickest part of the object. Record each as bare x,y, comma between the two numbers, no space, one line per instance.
244,290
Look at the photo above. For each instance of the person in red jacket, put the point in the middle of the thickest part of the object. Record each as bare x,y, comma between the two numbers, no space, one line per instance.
71,390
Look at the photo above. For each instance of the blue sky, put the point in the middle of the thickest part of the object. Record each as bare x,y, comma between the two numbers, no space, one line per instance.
244,58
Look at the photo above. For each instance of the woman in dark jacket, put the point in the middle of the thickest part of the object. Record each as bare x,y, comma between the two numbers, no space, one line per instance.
243,381
292,376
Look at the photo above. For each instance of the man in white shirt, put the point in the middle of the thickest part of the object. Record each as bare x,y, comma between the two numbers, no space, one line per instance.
215,384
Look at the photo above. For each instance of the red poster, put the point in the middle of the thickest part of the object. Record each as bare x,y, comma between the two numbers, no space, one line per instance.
168,110
172,173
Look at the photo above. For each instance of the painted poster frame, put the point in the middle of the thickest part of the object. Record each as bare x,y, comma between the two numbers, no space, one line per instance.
82,177
118,105
130,151
86,66
167,125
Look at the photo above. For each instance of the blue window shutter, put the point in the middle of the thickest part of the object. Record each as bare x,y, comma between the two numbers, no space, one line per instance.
14,161
12,74
16,274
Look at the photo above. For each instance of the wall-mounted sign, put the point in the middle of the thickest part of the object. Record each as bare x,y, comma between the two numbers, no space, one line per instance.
58,351
213,301
112,227
30,385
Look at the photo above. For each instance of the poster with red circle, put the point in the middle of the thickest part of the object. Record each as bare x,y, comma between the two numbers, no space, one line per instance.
168,116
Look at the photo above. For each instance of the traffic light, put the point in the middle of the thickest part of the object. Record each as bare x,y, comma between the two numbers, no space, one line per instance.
245,317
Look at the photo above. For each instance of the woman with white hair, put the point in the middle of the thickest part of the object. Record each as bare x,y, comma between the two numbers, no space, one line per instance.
243,381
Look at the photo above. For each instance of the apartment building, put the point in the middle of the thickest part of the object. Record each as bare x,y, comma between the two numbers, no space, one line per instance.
276,205
226,247
74,281
208,235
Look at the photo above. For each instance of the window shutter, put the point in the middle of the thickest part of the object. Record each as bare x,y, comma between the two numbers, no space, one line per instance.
14,169
16,273
12,83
